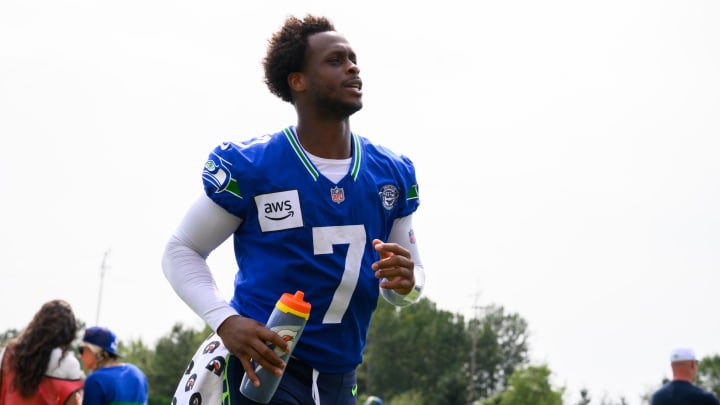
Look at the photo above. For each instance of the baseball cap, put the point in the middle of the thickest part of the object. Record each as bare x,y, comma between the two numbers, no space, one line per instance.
682,354
103,338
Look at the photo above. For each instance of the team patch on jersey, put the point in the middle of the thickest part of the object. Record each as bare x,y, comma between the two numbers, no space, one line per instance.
413,192
216,173
389,196
337,194
278,211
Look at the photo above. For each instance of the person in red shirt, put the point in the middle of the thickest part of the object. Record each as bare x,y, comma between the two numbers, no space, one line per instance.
38,367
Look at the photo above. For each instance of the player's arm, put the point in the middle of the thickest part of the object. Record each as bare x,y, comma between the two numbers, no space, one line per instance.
205,226
409,269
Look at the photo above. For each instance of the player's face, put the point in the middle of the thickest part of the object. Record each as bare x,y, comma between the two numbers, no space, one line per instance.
332,74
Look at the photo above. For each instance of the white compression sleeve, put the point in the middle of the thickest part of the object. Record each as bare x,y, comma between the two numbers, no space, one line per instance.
205,226
401,233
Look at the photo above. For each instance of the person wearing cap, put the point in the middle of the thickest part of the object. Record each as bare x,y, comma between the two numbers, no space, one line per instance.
681,390
111,380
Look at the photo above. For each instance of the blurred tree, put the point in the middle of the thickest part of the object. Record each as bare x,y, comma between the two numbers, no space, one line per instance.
420,349
411,350
406,398
621,401
501,348
531,385
172,356
584,397
418,354
709,374
7,336
165,364
495,399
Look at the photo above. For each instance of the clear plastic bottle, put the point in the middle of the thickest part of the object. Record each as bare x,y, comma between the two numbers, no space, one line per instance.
288,320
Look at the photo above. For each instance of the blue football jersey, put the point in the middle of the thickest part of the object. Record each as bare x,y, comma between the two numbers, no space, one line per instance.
303,232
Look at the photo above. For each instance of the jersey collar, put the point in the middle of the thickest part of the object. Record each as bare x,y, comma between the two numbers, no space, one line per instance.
291,136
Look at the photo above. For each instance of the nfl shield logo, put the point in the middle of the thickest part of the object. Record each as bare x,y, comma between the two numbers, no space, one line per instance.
337,194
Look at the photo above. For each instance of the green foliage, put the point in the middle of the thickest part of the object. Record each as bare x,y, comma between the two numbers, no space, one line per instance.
434,355
7,336
402,354
416,355
709,374
407,398
172,355
495,399
500,346
531,385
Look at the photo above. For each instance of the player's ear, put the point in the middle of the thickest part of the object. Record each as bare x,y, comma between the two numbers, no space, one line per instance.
296,81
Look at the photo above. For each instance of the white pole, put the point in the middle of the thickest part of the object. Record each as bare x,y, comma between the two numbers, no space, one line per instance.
103,267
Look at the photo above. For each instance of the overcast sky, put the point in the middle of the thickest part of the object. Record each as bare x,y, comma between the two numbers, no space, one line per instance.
567,155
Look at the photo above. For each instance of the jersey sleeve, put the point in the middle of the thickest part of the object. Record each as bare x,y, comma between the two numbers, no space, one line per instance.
410,187
221,172
219,178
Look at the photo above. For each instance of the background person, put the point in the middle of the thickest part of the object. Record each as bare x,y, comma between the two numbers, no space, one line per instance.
681,390
373,400
38,367
111,380
315,208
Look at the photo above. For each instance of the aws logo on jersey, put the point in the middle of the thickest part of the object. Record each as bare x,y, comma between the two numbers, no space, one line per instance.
217,173
278,211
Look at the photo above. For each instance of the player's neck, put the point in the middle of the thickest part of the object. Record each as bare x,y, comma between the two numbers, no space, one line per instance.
107,363
683,377
326,139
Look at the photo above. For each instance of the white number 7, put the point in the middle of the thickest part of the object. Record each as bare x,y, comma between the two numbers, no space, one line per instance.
323,240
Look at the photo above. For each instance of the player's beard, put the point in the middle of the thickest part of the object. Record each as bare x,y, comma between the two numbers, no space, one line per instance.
335,107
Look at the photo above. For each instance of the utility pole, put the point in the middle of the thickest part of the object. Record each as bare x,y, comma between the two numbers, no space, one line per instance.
473,354
103,268
474,325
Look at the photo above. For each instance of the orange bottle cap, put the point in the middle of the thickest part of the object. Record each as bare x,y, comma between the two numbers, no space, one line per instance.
295,304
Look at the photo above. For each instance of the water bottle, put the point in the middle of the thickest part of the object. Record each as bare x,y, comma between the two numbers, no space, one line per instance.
288,320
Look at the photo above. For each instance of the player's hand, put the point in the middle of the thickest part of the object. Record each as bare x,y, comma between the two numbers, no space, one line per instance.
395,266
247,339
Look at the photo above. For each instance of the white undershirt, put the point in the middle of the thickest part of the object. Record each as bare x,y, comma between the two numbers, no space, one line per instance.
333,169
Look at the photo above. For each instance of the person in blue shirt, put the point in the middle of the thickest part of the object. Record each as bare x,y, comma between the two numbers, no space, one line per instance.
111,380
681,390
313,207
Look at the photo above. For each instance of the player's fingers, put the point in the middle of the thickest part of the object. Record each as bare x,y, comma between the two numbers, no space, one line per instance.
272,338
266,354
380,248
249,370
390,249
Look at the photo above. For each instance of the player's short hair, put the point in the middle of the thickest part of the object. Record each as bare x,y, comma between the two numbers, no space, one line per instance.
286,51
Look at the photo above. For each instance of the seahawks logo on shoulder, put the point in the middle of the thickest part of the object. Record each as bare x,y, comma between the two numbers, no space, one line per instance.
217,173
